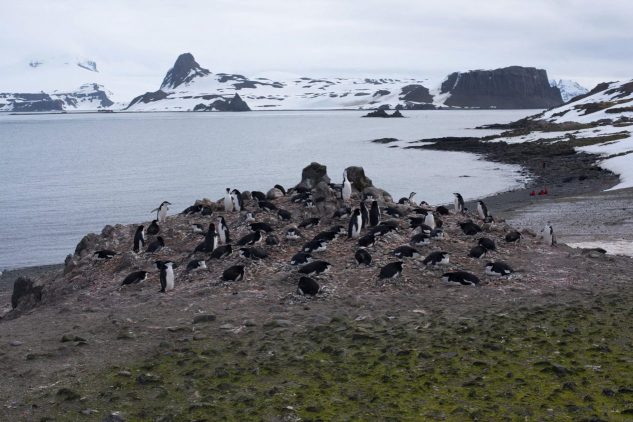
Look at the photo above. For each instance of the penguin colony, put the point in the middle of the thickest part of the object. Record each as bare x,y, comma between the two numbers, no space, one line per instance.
246,230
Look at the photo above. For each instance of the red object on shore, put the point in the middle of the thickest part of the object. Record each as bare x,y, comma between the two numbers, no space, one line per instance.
545,191
540,193
533,193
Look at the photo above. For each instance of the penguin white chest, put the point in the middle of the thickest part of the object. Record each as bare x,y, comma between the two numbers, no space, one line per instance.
162,213
429,220
169,278
347,190
356,227
228,203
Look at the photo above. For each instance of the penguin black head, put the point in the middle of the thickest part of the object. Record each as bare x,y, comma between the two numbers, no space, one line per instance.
228,190
160,240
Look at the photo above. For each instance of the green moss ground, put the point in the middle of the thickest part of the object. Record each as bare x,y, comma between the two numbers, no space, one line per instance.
560,362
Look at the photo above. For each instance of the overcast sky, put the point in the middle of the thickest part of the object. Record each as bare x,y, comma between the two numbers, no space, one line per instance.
585,40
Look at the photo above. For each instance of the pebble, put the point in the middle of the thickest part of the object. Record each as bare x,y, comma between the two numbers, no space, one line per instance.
16,343
203,318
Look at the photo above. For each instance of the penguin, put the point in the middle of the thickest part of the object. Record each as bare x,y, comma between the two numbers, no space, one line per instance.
293,234
458,203
406,252
253,253
228,201
393,212
346,191
408,201
211,240
300,198
234,273
156,245
221,252
364,215
104,254
161,211
362,257
281,188
338,230
342,212
267,206
153,228
513,236
391,270
250,217
374,214
135,277
314,246
260,227
309,223
194,209
477,252
272,240
469,228
258,196
429,220
197,228
437,234
195,265
307,286
355,225
236,198
326,236
442,210
500,269
224,235
420,239
166,276
251,239
309,203
460,277
139,238
482,210
382,229
367,241
300,258
315,268
548,235
487,243
436,258
284,215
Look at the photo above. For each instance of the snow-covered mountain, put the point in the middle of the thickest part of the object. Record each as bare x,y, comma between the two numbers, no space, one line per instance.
190,87
568,89
88,97
608,101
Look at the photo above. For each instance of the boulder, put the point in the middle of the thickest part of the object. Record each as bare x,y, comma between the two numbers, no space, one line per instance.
312,175
356,176
378,194
69,264
87,245
274,193
26,293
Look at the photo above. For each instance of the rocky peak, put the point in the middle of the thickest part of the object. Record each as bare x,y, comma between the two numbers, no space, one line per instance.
185,70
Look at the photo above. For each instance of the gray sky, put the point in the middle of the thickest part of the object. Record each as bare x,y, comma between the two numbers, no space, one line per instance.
588,41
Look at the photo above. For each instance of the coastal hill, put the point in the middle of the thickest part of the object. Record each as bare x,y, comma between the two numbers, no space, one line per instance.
188,86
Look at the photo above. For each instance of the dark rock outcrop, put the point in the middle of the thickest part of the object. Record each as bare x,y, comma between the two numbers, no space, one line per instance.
356,176
28,103
381,112
416,93
26,293
234,104
506,88
312,175
148,97
185,70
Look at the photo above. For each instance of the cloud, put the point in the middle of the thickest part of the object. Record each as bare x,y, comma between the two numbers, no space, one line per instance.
586,40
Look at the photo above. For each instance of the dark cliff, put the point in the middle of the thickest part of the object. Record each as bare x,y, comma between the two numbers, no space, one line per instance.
509,87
